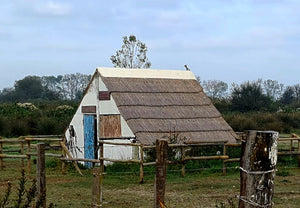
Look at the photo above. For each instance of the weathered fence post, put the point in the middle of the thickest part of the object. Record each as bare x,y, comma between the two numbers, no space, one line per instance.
161,172
63,164
182,161
1,152
141,164
22,151
101,148
224,162
258,166
28,157
101,172
97,187
41,175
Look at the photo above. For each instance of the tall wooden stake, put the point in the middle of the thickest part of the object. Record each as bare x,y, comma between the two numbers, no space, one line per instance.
41,175
101,172
63,164
141,164
224,163
161,172
28,158
258,164
22,151
183,162
97,187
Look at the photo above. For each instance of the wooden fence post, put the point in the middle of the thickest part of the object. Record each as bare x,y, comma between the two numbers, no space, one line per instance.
41,175
101,148
183,161
63,164
28,157
224,162
257,171
161,172
141,164
97,187
1,152
101,171
22,150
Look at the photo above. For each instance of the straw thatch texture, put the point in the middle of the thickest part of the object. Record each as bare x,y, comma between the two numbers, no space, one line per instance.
161,99
169,112
155,107
151,85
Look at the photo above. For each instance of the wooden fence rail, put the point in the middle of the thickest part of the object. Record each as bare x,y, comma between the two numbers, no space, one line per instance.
30,150
27,153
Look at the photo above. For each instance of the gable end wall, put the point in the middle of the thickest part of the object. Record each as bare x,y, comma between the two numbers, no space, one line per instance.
103,107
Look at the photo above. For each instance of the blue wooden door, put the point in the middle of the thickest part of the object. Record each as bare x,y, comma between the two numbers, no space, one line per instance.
89,132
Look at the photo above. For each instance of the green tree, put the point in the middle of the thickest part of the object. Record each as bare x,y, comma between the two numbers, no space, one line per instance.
133,54
273,89
249,97
29,88
215,89
7,95
297,93
67,87
288,96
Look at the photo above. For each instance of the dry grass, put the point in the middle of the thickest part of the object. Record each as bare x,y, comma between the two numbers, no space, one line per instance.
196,190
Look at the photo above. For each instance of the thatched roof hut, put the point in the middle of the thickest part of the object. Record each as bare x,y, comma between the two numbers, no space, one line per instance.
147,104
155,107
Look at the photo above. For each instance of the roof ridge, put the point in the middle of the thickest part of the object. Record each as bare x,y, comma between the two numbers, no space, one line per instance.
145,73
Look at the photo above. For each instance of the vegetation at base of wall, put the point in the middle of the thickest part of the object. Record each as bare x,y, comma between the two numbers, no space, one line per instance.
36,118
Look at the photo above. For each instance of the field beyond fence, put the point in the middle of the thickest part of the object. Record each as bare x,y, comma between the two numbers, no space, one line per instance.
202,186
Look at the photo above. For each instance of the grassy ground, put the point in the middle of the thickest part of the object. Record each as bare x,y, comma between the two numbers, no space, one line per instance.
200,188
197,189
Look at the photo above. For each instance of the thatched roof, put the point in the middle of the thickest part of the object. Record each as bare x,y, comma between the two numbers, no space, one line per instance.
156,107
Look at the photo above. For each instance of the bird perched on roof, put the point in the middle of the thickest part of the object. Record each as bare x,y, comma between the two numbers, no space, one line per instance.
187,68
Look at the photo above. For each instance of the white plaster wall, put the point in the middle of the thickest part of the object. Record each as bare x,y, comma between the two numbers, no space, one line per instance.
117,151
107,107
89,99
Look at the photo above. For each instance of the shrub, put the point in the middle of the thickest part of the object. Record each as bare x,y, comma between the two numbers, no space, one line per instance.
46,126
28,106
51,163
25,198
242,122
281,122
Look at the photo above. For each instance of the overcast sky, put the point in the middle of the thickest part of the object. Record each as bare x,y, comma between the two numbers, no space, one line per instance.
228,40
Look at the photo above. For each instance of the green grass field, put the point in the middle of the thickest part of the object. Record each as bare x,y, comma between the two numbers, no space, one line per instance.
203,186
198,189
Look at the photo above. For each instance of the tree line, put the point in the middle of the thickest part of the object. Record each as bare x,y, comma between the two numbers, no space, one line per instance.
260,95
61,87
